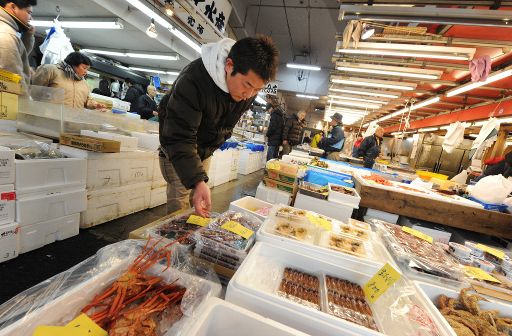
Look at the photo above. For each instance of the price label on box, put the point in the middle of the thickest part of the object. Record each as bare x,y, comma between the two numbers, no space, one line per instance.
497,253
380,283
477,273
418,234
238,229
198,220
81,326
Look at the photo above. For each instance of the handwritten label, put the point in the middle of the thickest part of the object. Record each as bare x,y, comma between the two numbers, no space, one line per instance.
418,234
238,229
477,273
380,283
198,220
497,253
81,326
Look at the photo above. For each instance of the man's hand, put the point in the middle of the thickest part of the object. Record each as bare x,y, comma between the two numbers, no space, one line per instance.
202,199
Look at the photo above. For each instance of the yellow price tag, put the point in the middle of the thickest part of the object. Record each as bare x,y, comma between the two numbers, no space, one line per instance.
324,223
313,219
497,253
418,234
477,273
380,283
198,220
238,229
81,326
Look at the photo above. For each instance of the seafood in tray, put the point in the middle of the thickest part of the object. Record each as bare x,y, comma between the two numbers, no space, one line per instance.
377,179
298,231
344,243
293,213
300,287
346,300
176,228
358,224
355,232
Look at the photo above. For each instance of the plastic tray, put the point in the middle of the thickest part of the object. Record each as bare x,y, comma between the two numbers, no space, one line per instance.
316,194
344,243
251,206
347,199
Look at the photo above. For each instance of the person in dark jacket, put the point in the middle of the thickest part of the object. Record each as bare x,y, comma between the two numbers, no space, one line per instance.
370,147
333,143
503,167
275,132
146,105
292,131
133,94
103,88
209,97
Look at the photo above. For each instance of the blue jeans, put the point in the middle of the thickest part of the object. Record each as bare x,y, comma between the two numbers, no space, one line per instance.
272,152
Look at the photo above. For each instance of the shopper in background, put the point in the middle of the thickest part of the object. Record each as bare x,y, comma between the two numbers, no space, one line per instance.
103,89
161,107
316,139
357,144
124,88
16,37
68,75
115,87
333,143
275,132
209,97
292,131
146,105
370,147
502,166
132,95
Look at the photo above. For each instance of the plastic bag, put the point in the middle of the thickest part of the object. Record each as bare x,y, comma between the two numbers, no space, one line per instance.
36,150
454,136
508,203
56,46
58,300
492,189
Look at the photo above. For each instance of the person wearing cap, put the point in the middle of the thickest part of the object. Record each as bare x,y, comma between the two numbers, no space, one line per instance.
370,147
333,143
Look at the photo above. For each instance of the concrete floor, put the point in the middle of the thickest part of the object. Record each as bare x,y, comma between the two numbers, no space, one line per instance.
36,266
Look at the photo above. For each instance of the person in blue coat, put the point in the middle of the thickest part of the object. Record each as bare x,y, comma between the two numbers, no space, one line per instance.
333,143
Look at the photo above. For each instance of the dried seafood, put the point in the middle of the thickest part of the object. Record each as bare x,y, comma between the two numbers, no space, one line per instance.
346,244
292,230
300,287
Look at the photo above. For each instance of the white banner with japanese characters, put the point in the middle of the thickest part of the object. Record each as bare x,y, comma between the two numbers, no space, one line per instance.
270,89
215,12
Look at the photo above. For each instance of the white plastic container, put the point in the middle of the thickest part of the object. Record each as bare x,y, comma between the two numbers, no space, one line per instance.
147,140
158,179
7,204
341,212
108,170
250,205
220,318
7,170
108,204
41,207
272,195
158,197
40,234
382,215
9,241
344,199
40,175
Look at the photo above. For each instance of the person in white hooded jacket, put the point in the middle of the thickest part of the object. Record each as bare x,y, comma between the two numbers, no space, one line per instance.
208,98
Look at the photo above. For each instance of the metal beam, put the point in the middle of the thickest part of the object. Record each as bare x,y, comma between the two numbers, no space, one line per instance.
440,40
429,2
437,65
408,79
430,20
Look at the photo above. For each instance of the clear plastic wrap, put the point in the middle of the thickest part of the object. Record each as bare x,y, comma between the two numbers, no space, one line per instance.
58,300
36,150
345,243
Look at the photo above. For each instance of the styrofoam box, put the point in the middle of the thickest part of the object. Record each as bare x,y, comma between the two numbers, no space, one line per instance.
271,195
246,204
255,283
9,241
55,311
158,197
128,143
108,204
40,234
341,198
147,140
41,175
7,204
158,178
337,211
40,207
220,318
382,215
107,170
7,170
437,235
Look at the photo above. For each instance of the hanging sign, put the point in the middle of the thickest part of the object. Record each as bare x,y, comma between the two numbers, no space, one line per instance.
270,89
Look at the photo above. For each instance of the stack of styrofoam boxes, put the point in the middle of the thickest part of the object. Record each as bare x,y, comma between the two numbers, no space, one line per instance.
158,186
219,171
250,162
147,140
50,197
118,184
235,161
9,234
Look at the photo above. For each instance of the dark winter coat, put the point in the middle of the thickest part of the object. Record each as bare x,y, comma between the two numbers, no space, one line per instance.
292,130
369,150
145,106
275,127
199,118
132,95
331,143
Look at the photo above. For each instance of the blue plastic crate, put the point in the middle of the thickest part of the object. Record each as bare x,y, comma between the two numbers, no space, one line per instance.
323,177
490,206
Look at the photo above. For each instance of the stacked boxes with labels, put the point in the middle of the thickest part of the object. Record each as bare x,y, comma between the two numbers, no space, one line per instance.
158,186
9,232
50,197
118,184
10,89
250,161
220,170
283,176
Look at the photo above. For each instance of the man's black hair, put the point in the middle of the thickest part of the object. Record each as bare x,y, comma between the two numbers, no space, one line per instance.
76,58
258,54
19,3
128,80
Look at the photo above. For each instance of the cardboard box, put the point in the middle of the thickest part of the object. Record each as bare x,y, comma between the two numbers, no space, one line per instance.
280,176
9,241
90,143
8,106
6,86
289,188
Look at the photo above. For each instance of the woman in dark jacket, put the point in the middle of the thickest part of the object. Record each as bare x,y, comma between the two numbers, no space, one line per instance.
275,133
132,96
370,148
292,131
104,88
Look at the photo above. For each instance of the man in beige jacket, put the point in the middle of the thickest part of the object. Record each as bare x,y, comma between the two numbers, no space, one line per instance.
16,37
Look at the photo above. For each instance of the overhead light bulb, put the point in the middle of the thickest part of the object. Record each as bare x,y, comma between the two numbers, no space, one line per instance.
307,96
151,31
367,32
169,7
303,66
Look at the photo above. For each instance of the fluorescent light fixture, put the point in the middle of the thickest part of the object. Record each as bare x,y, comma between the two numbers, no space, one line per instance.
347,110
353,103
387,72
428,129
444,127
115,24
260,100
474,136
496,76
132,55
381,84
505,120
403,54
367,93
367,32
306,96
172,73
425,103
169,7
357,99
164,23
479,123
303,66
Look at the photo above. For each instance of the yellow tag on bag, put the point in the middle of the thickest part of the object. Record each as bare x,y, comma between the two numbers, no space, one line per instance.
497,253
418,234
380,283
238,229
81,326
477,273
198,220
